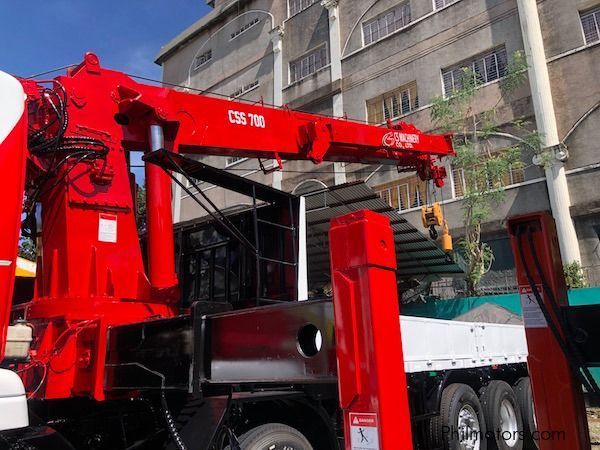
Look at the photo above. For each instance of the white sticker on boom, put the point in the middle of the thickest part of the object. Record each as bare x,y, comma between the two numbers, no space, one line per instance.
532,313
107,228
364,431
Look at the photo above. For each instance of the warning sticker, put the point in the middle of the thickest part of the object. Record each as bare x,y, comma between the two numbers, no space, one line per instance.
364,431
107,228
532,313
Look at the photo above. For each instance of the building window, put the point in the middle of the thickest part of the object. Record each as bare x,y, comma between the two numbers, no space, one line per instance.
203,59
245,89
245,28
439,4
188,184
514,176
308,64
233,160
404,194
590,22
295,6
386,23
487,67
393,104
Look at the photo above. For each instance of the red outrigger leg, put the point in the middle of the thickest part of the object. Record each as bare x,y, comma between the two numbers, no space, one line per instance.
371,377
558,397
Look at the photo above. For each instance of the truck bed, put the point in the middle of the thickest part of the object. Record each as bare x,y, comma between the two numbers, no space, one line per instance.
270,344
434,344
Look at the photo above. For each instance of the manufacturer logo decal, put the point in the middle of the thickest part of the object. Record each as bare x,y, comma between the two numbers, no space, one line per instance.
397,139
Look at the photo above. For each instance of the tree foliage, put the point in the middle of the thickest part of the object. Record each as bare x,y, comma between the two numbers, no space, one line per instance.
574,275
484,167
27,249
140,213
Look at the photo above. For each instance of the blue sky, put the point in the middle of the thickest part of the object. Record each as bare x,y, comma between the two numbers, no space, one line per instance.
39,35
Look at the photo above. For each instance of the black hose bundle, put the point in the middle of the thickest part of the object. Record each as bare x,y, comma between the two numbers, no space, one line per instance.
50,145
569,349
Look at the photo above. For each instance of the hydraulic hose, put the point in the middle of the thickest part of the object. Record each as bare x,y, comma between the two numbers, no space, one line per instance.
171,423
574,362
564,325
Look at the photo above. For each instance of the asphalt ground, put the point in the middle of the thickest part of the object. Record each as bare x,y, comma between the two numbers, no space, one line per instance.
594,424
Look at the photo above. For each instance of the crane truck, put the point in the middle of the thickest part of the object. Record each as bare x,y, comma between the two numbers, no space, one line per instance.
109,353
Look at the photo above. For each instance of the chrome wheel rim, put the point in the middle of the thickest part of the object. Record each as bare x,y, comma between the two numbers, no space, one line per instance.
469,429
508,423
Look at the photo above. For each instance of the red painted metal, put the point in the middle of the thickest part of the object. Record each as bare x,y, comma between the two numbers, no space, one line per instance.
91,273
558,396
12,173
371,377
161,258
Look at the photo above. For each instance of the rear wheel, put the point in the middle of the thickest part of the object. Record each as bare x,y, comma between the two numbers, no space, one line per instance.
502,416
461,423
524,396
274,436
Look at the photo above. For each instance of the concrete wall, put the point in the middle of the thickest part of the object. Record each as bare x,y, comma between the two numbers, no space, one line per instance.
224,199
528,198
418,52
305,32
574,73
561,26
574,92
233,60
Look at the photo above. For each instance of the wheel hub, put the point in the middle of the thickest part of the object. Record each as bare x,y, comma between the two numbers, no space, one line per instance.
508,423
469,430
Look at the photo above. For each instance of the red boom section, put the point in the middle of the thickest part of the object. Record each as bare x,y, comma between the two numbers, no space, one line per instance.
218,126
92,274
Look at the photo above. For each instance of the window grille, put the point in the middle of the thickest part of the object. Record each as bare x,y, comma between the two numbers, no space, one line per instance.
393,104
386,23
308,64
486,67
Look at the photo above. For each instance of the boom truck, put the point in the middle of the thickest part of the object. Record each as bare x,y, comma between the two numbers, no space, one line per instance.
106,355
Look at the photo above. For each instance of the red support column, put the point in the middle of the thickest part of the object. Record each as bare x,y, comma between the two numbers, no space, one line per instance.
161,253
371,377
558,397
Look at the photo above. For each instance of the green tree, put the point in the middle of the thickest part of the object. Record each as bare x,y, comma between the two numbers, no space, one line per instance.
483,166
27,249
574,275
140,213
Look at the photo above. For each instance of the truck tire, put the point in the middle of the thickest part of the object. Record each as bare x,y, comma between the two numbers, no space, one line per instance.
461,423
502,416
274,436
522,390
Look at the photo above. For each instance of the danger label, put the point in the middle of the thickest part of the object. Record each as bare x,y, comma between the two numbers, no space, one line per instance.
107,228
533,317
364,431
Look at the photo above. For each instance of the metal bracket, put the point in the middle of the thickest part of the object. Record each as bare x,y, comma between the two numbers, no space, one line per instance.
278,167
560,152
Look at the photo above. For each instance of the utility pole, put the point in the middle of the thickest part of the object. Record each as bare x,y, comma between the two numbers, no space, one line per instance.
556,179
335,51
276,41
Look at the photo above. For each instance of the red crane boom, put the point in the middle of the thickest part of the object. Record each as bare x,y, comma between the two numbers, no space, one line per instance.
73,133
